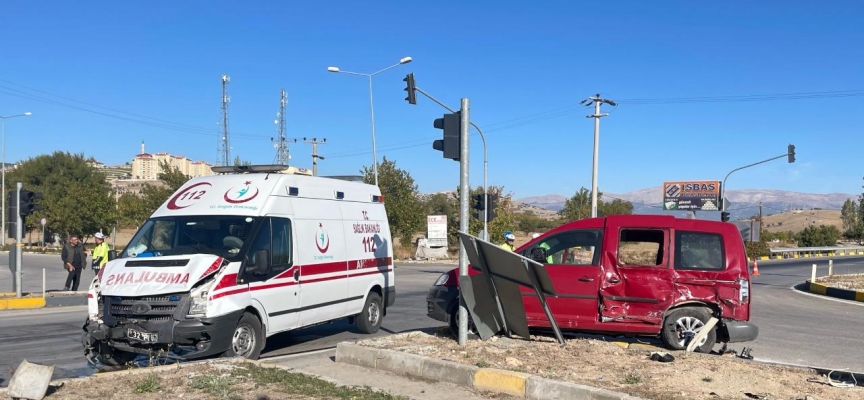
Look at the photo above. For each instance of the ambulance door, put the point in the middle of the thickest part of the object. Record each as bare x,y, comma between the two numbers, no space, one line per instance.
278,289
323,273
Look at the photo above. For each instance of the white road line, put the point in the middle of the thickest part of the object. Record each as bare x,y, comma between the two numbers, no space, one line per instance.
819,296
297,355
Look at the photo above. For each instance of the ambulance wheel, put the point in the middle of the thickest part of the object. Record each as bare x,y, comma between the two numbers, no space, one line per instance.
248,338
369,319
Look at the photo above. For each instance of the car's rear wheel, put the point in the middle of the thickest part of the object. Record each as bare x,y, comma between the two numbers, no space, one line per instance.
682,325
370,318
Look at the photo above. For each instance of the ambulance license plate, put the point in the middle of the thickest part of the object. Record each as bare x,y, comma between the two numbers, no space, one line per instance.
145,337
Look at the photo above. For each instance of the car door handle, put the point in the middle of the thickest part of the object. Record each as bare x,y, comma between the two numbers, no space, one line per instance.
586,279
296,274
613,280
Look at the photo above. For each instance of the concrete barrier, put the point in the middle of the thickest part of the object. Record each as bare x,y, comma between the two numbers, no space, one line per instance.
825,290
490,379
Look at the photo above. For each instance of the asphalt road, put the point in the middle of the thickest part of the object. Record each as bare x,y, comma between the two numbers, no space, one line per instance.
53,335
805,329
795,328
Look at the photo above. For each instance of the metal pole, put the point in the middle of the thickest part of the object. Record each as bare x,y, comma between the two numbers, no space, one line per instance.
4,182
485,185
723,186
315,160
596,153
465,196
18,244
374,148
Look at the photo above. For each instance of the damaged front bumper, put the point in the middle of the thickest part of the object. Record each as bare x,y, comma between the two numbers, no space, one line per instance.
740,331
183,340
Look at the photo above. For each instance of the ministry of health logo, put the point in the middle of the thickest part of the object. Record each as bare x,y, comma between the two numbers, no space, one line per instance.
242,194
322,239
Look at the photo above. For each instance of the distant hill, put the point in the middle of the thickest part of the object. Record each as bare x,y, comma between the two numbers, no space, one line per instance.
742,203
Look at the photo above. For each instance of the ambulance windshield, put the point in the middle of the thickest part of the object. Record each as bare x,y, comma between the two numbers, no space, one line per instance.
222,235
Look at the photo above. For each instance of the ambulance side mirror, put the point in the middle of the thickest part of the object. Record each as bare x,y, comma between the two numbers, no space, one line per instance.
262,262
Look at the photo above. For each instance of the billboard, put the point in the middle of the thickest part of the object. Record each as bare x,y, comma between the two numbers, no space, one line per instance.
691,195
436,230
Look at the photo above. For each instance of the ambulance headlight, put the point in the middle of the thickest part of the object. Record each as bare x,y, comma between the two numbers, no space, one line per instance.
198,306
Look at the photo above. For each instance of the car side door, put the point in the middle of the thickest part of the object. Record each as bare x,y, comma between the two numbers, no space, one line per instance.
572,263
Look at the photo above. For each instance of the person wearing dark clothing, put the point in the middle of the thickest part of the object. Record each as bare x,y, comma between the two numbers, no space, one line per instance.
74,258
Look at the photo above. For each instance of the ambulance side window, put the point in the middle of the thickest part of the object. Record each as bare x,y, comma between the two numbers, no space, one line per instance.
281,254
262,242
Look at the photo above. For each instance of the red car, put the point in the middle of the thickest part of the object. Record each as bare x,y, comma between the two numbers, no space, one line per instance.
635,275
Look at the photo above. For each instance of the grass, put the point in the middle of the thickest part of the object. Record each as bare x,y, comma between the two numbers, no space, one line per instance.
217,386
632,378
483,364
299,384
149,384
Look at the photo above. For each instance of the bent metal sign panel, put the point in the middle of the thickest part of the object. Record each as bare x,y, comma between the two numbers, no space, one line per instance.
691,195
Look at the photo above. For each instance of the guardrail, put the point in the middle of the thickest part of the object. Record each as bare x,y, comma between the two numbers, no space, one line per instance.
781,253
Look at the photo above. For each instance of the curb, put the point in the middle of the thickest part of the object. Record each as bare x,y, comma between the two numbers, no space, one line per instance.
489,379
22,303
844,294
25,303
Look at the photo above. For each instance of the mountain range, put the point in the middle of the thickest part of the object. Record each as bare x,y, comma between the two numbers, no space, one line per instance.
742,203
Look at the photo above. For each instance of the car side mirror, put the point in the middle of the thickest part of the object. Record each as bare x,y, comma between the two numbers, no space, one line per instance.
262,262
539,254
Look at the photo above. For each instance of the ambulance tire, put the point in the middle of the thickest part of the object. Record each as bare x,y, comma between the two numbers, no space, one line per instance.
370,318
248,329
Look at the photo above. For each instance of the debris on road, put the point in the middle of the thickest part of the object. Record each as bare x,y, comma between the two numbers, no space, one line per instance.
632,370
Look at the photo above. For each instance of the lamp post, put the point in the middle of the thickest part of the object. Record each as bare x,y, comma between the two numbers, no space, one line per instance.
405,60
3,184
790,155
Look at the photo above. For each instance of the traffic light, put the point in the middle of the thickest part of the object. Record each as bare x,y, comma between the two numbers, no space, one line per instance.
11,214
724,216
450,144
493,200
410,88
791,153
479,205
28,205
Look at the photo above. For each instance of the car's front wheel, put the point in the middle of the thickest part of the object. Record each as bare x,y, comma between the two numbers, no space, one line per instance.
248,338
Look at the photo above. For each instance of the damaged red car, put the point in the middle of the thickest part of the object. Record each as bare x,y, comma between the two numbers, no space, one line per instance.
635,275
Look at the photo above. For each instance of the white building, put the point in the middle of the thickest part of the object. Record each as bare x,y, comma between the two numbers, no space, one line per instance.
146,166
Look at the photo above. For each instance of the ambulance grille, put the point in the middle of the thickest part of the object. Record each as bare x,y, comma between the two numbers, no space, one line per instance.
144,308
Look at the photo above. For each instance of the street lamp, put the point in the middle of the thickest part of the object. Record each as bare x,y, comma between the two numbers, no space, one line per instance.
405,60
3,184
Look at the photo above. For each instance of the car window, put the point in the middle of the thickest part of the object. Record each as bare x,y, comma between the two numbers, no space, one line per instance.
281,258
642,247
699,251
577,247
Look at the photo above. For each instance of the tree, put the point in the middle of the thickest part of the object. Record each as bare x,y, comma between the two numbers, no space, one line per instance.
851,219
77,199
239,162
823,235
132,211
404,209
579,206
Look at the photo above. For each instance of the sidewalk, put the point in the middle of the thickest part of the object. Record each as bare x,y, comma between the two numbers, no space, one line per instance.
322,365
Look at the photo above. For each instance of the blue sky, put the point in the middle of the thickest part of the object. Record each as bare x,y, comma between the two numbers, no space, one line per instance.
525,68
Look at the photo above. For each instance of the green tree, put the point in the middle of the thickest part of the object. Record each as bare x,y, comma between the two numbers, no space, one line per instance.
132,211
77,199
238,161
851,219
404,209
823,235
579,206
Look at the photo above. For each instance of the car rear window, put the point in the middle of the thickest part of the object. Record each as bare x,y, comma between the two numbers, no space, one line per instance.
699,251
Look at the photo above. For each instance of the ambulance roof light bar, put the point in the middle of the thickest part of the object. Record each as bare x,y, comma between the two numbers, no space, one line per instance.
274,168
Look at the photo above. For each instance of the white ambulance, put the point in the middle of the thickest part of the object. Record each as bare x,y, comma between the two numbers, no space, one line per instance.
232,259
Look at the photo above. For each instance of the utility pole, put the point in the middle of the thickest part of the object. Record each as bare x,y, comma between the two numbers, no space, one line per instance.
314,142
596,101
225,144
464,200
760,220
281,145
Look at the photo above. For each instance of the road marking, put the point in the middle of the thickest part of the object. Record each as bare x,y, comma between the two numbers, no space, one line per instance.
297,355
854,303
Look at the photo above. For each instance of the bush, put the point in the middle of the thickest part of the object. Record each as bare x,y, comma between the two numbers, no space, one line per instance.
756,249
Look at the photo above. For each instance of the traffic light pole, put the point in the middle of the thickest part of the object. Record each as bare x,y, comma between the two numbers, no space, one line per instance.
18,242
485,233
723,186
464,216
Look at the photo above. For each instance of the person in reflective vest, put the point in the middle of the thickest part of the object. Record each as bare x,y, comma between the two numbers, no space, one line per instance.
100,252
509,240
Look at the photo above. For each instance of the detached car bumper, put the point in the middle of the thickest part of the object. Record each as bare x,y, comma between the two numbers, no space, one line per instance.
740,331
440,301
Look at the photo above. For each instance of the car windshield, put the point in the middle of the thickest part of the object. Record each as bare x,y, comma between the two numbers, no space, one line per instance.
205,234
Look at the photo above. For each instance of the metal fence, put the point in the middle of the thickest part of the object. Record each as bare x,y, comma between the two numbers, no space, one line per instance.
780,253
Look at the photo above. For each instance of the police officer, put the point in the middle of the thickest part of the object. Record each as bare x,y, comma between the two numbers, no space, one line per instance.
100,252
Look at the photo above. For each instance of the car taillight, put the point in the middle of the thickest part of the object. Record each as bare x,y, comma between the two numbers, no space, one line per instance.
744,290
